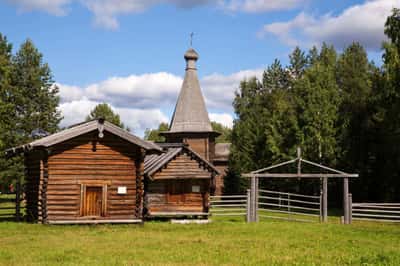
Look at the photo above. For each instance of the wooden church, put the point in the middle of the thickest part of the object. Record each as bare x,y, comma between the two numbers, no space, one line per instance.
96,172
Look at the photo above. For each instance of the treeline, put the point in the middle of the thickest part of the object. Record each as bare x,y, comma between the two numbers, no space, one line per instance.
340,108
28,103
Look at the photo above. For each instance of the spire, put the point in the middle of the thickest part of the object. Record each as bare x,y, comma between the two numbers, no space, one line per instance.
190,113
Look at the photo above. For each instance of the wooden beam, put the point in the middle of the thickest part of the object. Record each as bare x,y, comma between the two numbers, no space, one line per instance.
325,199
279,175
346,200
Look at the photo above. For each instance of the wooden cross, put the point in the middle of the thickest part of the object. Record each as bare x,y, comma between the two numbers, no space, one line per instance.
191,39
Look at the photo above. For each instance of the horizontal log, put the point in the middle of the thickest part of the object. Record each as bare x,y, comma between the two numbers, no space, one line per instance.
93,177
64,192
106,167
271,175
62,212
52,207
87,157
98,221
51,197
90,161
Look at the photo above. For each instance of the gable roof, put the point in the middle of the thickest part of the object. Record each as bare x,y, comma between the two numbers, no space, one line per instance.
83,128
154,162
190,114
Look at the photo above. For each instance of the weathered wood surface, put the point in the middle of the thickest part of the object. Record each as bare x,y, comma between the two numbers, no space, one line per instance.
184,167
55,186
177,196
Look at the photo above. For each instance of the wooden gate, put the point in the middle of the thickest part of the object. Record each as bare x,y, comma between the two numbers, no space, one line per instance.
289,206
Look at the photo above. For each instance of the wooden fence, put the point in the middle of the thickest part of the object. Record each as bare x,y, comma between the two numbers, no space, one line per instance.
268,204
11,207
289,206
229,205
381,212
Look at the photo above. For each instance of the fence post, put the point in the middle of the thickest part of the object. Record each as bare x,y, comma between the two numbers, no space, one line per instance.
288,196
350,208
321,217
17,200
252,198
346,200
325,199
248,206
256,202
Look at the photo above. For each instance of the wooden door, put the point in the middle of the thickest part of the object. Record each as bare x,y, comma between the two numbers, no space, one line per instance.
93,201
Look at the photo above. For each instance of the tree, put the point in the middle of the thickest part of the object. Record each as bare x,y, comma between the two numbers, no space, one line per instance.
154,134
8,168
29,100
34,94
298,63
103,110
223,130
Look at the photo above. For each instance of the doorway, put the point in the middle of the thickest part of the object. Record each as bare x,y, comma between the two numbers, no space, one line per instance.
93,202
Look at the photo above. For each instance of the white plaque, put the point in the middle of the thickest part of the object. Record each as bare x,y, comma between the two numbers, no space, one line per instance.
196,189
121,190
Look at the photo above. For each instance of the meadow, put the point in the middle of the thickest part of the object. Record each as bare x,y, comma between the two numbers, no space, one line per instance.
221,242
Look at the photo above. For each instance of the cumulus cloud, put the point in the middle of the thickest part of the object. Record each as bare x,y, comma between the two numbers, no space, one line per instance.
139,99
141,91
136,119
363,23
224,119
219,90
259,6
106,12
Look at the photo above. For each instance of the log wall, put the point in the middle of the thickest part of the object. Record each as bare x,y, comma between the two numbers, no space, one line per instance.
162,197
171,188
109,162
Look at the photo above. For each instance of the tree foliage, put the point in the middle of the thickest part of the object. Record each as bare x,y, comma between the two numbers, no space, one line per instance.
28,102
154,134
223,130
341,109
103,110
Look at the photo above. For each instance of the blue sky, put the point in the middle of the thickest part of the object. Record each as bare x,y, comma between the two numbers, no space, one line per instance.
129,53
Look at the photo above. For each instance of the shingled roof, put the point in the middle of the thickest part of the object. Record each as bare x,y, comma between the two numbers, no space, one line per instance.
190,113
83,128
154,162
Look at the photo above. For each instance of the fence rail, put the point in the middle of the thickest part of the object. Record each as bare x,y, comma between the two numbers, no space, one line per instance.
288,206
229,205
10,207
382,212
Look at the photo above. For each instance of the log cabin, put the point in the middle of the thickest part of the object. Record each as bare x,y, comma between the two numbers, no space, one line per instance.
178,182
88,173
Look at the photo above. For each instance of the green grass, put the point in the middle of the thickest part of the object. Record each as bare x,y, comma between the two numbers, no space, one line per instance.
218,243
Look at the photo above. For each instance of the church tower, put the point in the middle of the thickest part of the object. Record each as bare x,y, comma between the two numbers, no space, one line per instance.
190,122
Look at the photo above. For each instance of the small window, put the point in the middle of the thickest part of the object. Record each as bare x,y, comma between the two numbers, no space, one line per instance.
196,189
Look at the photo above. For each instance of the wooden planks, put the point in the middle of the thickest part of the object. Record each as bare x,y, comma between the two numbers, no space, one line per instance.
77,165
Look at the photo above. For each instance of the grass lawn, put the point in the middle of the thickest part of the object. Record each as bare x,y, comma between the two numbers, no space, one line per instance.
218,243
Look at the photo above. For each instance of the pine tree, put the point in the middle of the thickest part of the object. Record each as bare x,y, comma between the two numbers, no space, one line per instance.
103,110
34,93
9,168
154,134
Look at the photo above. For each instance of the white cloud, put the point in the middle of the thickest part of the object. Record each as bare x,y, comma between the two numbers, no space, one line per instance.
219,90
139,99
224,119
54,7
363,23
141,91
136,119
259,6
